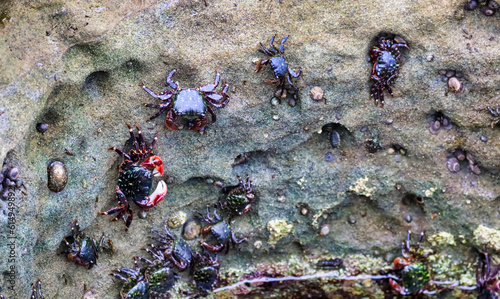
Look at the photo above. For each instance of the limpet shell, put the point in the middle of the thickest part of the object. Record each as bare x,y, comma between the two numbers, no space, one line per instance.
57,175
191,229
177,219
453,165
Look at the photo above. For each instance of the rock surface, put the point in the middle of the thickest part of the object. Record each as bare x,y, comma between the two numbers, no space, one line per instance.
77,65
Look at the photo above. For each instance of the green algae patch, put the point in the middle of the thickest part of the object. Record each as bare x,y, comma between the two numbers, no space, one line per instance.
278,229
487,236
442,238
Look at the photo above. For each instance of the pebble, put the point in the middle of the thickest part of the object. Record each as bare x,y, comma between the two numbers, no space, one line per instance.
337,116
325,230
191,229
364,129
389,121
329,157
351,219
292,103
397,158
390,151
209,181
143,214
316,93
57,176
42,127
276,117
408,218
430,57
484,138
304,211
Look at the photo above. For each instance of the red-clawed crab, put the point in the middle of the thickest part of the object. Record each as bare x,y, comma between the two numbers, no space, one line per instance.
188,103
413,273
136,178
385,58
487,279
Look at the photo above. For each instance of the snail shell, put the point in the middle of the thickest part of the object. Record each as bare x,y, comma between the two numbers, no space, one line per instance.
453,165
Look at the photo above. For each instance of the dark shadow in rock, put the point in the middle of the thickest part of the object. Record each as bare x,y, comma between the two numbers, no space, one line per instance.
95,84
410,199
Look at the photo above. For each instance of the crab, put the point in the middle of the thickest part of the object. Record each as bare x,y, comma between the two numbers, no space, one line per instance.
239,198
172,248
206,271
279,66
221,232
154,281
37,290
496,116
487,281
385,58
82,250
188,103
136,178
411,268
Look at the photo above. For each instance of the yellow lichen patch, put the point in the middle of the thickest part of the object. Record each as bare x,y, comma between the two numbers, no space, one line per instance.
487,236
429,192
360,187
278,229
442,238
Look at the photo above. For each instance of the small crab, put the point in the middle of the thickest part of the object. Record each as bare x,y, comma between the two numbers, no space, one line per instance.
37,290
172,248
159,275
206,271
135,180
82,250
487,281
413,272
279,66
373,144
385,58
153,282
189,103
221,232
136,285
239,198
496,116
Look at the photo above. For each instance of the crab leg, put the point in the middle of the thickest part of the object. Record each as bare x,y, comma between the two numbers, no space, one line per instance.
169,81
260,64
271,46
120,152
282,47
211,87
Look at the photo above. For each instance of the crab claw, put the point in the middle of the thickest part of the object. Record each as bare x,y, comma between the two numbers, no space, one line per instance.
155,163
153,199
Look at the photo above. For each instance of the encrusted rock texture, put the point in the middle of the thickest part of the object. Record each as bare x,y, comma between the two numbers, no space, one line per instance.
77,65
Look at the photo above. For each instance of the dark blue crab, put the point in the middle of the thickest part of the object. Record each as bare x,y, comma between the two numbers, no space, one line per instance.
152,282
385,58
172,248
189,103
206,271
82,250
279,66
221,232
